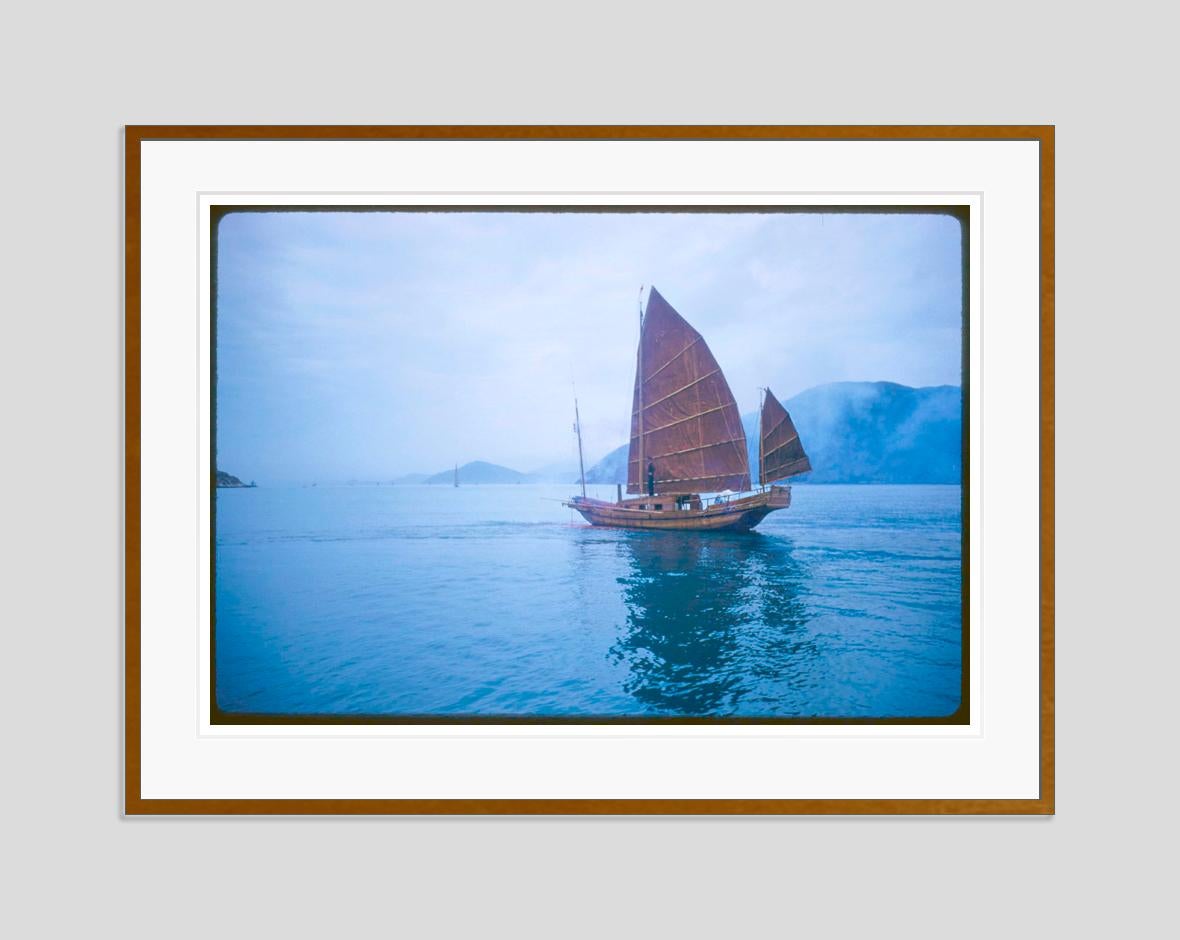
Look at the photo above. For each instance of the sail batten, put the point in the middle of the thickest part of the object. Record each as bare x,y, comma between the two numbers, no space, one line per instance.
689,450
781,446
780,452
683,388
675,357
689,418
685,423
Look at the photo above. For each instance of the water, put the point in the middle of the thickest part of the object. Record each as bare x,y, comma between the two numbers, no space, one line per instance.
492,600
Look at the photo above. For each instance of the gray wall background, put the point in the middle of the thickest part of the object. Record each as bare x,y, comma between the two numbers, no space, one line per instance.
72,76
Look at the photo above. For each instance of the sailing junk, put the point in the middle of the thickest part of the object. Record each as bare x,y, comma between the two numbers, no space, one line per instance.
687,439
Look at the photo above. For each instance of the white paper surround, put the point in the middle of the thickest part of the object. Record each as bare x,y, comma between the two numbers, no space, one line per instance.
996,756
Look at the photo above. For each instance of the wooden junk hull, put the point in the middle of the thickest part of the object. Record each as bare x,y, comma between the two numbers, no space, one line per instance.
737,514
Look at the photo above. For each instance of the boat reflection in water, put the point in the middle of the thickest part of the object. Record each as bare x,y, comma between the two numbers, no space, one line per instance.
715,624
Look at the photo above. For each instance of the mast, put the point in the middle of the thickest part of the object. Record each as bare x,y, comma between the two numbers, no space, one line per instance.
761,406
578,428
456,474
639,385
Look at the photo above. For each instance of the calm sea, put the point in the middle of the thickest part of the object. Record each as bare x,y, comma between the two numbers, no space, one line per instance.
496,600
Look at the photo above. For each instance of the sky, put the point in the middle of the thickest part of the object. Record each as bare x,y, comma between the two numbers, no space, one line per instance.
367,345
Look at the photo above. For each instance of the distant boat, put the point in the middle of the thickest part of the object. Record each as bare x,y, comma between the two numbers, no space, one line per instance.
456,474
687,440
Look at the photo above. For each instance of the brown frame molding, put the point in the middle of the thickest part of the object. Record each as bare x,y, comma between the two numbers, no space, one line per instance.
135,804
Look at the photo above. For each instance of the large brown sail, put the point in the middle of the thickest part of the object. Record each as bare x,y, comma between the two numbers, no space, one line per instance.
780,452
684,420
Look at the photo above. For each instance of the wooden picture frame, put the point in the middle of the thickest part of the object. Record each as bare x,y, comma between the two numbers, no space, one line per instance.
138,799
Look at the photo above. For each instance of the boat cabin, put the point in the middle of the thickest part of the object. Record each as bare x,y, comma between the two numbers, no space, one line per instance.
686,503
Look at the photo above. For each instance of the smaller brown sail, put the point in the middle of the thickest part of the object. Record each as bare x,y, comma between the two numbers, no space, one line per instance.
780,452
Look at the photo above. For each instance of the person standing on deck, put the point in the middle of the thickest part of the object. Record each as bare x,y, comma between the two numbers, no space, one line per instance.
651,479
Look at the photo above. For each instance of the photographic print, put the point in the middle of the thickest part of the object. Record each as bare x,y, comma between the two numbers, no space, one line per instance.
590,470
589,464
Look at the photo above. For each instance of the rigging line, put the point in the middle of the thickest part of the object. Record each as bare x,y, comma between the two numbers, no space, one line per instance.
578,429
700,418
761,437
694,449
785,418
791,468
672,424
652,375
739,453
715,476
639,381
775,450
648,405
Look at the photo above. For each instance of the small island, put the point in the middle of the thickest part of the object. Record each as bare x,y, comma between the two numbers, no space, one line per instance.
224,480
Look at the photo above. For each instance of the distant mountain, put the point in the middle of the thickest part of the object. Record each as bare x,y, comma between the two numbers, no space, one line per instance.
411,478
228,479
858,432
561,472
610,469
479,471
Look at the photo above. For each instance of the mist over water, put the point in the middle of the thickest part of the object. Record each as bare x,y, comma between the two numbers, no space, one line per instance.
492,600
368,345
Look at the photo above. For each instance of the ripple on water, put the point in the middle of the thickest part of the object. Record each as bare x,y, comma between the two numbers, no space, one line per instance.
488,601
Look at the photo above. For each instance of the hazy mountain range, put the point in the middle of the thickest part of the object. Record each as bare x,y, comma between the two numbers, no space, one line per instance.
854,432
858,432
480,471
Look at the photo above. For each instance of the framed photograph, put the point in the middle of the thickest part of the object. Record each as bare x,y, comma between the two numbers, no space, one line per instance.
612,470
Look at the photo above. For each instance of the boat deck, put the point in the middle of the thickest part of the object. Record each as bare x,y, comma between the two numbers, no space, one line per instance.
665,512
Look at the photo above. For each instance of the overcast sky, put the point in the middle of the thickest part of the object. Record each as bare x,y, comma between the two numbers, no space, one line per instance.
371,344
